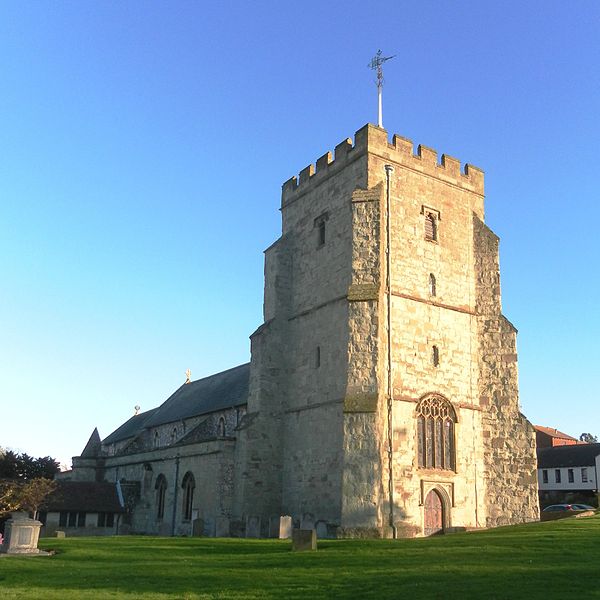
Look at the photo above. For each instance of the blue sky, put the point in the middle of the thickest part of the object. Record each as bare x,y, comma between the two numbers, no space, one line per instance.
142,150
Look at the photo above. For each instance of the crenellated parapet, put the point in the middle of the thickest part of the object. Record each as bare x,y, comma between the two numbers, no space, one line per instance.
400,152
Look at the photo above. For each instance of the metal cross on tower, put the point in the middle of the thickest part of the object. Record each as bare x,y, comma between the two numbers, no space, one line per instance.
377,65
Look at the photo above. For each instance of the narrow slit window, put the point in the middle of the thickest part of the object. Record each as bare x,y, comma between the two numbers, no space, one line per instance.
571,476
321,229
322,233
318,357
545,476
432,285
557,477
435,356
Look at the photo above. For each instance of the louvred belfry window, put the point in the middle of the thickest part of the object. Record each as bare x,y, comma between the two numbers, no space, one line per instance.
431,227
435,434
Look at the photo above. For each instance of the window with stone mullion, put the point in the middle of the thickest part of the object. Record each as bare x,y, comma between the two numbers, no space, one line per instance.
435,434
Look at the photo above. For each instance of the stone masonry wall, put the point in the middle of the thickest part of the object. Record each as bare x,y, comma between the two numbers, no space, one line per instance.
300,354
319,417
362,478
509,439
421,320
211,464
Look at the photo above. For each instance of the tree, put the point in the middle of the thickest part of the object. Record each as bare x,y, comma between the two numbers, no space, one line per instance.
9,496
29,495
588,438
25,481
24,467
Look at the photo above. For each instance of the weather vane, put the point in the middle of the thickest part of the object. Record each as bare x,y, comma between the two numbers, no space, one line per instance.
377,65
188,376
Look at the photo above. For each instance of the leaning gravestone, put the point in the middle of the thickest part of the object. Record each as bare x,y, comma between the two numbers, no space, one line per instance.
21,535
304,539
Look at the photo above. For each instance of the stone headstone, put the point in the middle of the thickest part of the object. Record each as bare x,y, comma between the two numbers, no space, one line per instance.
285,527
21,535
198,527
304,539
252,527
222,527
280,527
60,534
321,529
308,522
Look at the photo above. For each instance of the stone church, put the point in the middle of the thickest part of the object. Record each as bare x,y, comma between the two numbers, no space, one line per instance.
382,396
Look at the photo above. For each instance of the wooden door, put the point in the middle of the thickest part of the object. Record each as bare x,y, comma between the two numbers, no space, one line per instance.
434,514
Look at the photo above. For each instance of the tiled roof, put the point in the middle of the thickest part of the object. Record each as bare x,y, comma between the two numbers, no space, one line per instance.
577,455
223,390
217,392
554,433
130,428
88,496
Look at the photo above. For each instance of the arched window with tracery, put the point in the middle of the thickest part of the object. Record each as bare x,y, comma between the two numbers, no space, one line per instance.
161,491
435,434
188,486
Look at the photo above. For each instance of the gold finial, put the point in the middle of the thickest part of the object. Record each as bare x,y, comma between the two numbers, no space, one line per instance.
188,375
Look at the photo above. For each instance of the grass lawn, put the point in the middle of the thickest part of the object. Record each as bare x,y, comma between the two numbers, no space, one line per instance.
559,559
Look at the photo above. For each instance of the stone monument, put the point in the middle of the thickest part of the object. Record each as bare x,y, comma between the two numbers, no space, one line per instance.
21,535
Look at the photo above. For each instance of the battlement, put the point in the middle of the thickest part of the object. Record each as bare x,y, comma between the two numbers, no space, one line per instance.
401,152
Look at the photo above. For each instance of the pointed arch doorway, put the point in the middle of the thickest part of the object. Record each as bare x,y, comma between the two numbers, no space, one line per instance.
433,521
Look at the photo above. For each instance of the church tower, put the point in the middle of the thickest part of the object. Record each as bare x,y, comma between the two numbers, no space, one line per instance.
384,401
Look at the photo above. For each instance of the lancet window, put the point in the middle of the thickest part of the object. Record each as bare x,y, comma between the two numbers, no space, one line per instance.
161,490
188,486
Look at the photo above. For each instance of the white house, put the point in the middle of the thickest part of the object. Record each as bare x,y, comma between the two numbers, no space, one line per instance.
565,470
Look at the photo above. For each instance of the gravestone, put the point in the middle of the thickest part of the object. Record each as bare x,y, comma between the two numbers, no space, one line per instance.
252,527
21,535
280,527
285,528
304,539
198,527
60,534
308,521
222,527
321,529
